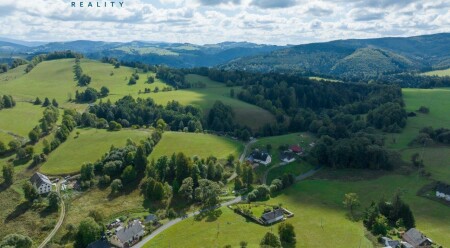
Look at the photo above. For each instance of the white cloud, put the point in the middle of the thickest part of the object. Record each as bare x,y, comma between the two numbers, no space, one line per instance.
211,21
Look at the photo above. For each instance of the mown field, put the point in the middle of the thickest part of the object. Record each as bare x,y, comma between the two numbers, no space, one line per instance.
21,119
436,100
196,144
440,73
88,146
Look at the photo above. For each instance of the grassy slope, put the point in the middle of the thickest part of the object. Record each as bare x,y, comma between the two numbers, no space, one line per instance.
88,147
435,157
21,119
202,145
440,73
245,114
315,203
54,79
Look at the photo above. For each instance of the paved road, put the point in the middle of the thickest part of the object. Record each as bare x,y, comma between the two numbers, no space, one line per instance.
60,220
175,221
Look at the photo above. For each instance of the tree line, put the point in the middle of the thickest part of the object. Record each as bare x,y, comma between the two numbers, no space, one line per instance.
51,56
129,111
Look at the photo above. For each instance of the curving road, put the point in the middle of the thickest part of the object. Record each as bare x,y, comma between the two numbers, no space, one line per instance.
60,220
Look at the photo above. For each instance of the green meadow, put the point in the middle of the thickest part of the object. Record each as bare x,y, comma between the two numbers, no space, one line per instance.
196,144
440,73
320,218
21,119
88,146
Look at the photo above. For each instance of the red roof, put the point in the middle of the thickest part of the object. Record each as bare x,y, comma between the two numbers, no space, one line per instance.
295,148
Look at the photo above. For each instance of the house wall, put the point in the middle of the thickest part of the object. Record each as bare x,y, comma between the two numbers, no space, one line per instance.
442,195
44,188
115,241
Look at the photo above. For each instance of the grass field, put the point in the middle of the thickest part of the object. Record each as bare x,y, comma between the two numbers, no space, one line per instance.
295,168
440,73
55,79
245,114
196,144
436,100
21,119
320,218
88,147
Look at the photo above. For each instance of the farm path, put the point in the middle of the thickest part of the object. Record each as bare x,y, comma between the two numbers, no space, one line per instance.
242,157
60,220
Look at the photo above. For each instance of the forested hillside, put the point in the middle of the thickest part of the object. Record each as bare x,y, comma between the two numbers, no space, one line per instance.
355,58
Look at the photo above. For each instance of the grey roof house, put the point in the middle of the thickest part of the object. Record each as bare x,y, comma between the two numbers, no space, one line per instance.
41,183
416,239
273,216
126,236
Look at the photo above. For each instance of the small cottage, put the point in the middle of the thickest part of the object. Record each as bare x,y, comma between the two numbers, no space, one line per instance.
273,216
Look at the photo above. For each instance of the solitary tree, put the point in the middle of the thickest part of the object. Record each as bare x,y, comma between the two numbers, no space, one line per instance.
351,201
46,102
88,232
287,233
37,101
270,240
29,191
16,240
8,174
116,186
53,200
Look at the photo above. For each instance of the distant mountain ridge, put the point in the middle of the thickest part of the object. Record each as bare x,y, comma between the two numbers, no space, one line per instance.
171,54
354,57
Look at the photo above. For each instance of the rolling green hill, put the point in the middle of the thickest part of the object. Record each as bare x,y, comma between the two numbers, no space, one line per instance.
369,57
54,79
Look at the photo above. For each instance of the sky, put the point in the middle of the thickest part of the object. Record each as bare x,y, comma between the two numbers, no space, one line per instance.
211,21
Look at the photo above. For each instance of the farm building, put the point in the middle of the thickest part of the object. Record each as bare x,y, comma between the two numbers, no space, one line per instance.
273,216
443,191
416,239
287,157
296,149
151,218
389,243
260,157
41,183
126,236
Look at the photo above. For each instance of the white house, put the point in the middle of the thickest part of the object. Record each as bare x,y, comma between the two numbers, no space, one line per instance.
41,183
126,236
260,157
443,191
287,157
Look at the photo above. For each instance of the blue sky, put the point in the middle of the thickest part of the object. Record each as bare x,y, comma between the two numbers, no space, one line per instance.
211,21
